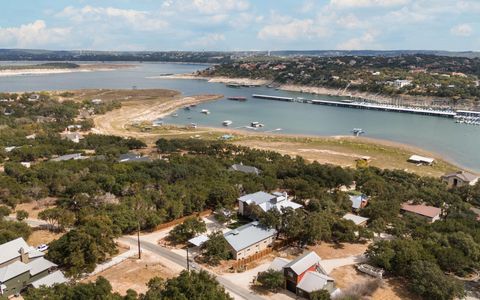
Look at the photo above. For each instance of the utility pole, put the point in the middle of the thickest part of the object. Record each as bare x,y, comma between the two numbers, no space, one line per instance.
188,262
138,241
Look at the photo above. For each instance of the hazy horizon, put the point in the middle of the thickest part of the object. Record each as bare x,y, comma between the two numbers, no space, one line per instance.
241,25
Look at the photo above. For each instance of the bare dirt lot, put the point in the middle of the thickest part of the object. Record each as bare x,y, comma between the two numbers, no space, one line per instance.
42,236
135,274
391,289
329,251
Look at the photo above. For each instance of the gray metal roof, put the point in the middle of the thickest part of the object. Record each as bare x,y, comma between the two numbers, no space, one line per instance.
10,250
12,271
68,157
245,169
39,265
51,279
356,219
302,263
247,235
313,281
463,175
278,264
357,200
198,240
257,198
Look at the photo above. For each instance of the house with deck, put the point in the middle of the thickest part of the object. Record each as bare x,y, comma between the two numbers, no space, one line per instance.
22,266
459,179
304,275
429,213
266,202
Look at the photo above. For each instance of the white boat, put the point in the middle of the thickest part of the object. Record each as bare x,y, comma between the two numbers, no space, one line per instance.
205,111
256,124
227,123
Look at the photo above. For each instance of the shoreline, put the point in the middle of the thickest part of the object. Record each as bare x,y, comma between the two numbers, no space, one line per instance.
49,71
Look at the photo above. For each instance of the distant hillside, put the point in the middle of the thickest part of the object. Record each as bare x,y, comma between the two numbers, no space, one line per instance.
199,57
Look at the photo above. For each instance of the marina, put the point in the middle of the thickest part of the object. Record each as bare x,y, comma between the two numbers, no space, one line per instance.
457,142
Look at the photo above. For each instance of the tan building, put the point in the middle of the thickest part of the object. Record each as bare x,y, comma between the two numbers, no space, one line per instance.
460,178
249,239
429,213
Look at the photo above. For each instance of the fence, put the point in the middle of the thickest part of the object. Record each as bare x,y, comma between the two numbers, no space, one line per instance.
245,264
178,221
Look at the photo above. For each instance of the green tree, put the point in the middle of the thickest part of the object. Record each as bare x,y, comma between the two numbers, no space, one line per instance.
320,295
22,215
271,280
188,229
215,249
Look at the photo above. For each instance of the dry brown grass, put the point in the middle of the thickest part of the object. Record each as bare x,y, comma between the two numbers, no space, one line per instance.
329,251
42,236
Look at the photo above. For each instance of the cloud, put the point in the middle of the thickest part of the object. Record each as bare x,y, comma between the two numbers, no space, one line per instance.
139,20
367,3
351,22
207,7
464,30
366,41
292,29
35,34
207,40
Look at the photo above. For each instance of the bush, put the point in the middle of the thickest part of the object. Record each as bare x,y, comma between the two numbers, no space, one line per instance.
22,215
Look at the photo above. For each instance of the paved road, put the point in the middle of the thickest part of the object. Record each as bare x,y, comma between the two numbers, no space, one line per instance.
181,261
31,222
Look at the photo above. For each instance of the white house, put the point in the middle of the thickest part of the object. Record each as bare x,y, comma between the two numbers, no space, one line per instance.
266,202
460,178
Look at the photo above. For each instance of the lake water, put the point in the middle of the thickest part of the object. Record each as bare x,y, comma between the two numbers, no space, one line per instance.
457,142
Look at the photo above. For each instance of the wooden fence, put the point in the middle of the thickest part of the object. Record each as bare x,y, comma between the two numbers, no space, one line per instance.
245,263
180,220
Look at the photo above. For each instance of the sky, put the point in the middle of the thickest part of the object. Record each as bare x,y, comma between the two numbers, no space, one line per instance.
233,25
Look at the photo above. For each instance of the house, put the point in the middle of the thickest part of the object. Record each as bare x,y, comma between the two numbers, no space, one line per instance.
421,160
74,156
265,201
429,213
358,202
401,83
34,97
304,275
22,266
133,157
72,136
459,179
358,220
249,239
245,169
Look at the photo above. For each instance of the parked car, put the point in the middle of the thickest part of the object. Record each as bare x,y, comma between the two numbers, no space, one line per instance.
42,247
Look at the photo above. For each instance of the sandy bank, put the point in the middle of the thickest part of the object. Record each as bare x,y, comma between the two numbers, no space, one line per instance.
50,71
227,80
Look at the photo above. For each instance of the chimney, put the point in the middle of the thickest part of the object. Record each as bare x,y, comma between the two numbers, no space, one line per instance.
23,256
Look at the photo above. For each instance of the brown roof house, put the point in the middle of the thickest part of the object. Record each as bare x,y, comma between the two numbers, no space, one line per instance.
459,179
429,213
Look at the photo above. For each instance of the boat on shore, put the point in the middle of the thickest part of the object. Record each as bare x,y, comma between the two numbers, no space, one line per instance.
234,85
256,125
237,98
205,111
227,123
357,131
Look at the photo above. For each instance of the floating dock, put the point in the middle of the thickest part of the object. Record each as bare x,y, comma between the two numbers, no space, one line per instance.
392,108
286,99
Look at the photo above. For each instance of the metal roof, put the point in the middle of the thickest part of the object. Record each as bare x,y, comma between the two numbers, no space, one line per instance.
424,210
356,219
302,263
313,281
266,206
465,176
421,159
357,200
68,157
245,169
247,235
199,240
12,271
257,198
51,279
278,264
39,265
10,250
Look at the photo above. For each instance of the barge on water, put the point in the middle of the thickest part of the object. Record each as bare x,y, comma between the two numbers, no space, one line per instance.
237,98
